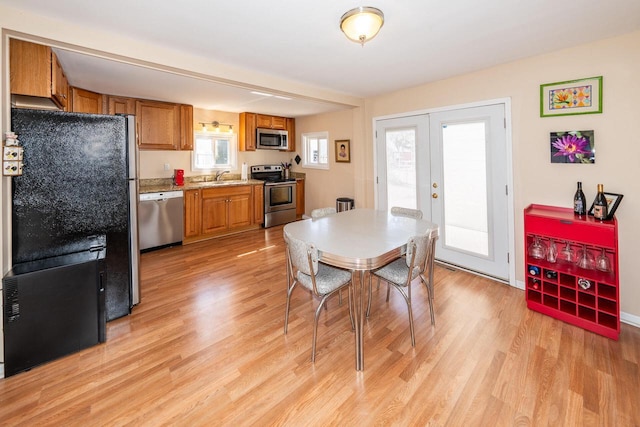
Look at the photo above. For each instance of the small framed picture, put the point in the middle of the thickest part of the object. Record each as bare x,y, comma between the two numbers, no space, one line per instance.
613,200
343,150
583,96
577,146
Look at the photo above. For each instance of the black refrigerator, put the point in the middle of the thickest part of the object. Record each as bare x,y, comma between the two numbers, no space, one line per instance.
77,195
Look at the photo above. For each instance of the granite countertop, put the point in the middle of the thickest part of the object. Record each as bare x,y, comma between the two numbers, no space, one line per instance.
155,187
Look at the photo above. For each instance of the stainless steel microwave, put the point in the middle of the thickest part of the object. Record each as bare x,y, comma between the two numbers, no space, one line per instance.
272,139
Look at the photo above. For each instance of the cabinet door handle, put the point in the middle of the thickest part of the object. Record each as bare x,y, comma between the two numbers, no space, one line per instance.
566,221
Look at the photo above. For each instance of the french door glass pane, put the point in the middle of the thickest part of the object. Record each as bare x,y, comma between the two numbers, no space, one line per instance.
401,168
464,149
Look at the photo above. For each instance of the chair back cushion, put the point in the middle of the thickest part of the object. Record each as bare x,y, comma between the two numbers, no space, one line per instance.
421,245
299,252
320,212
411,213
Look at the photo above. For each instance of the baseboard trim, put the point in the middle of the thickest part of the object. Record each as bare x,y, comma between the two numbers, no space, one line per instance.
630,319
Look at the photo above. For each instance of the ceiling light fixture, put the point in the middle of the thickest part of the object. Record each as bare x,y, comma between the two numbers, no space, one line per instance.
362,23
216,124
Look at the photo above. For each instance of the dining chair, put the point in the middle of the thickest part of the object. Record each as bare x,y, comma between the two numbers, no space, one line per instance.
408,212
400,211
322,280
401,273
320,212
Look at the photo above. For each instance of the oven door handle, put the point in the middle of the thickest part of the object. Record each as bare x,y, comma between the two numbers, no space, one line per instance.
280,184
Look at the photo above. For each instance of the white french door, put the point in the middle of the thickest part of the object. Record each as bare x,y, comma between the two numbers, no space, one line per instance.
453,166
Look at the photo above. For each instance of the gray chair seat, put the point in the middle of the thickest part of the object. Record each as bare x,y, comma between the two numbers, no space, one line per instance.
328,279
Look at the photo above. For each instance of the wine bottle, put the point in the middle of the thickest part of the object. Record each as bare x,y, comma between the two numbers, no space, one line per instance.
579,202
600,207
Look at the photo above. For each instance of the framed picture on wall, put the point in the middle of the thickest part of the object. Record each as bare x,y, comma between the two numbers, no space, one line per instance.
613,200
583,96
343,150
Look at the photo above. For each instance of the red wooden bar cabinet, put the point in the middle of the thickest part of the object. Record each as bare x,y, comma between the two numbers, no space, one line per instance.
585,297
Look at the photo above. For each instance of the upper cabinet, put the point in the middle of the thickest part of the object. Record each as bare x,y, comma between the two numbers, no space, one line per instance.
36,71
186,127
291,129
121,105
271,122
249,122
247,132
85,101
158,125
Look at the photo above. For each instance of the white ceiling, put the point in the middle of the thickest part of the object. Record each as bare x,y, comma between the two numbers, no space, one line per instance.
300,40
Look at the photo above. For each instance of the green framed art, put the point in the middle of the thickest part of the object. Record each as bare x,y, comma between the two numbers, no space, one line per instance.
582,96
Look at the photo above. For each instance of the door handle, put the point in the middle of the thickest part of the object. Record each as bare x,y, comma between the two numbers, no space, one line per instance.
435,185
434,195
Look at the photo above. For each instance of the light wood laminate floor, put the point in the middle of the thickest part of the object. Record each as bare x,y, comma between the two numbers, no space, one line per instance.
206,347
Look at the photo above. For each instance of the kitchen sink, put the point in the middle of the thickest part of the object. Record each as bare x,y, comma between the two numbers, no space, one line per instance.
219,183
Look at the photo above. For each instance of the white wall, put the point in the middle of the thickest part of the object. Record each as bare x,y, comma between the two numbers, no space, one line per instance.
536,180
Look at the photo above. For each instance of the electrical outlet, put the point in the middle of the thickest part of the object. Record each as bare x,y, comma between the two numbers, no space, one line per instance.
167,166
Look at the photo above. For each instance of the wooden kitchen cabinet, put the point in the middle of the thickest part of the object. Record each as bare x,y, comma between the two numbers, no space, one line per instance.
291,129
121,105
247,132
258,204
60,84
186,123
85,101
300,205
192,213
219,211
34,70
271,122
226,208
249,122
158,125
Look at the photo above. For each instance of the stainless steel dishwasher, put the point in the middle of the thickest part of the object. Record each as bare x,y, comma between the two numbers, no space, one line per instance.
160,219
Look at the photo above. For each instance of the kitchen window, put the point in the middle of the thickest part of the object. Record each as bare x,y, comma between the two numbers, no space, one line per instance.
212,151
316,150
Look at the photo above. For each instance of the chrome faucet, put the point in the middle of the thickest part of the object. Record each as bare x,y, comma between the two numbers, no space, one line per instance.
219,175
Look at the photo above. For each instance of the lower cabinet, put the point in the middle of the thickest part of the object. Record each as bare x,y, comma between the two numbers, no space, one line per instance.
212,212
258,204
192,214
300,198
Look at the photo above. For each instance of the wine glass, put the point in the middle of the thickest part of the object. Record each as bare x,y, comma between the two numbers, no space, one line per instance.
585,259
602,262
537,249
552,253
566,254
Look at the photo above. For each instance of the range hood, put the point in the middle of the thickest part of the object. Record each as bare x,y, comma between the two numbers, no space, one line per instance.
33,102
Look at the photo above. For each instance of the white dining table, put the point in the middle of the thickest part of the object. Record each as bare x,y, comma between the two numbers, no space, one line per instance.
359,240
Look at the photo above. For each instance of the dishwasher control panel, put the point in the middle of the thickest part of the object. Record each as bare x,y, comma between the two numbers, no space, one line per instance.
161,195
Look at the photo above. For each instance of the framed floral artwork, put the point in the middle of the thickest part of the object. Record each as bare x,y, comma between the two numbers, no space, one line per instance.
343,151
576,146
583,96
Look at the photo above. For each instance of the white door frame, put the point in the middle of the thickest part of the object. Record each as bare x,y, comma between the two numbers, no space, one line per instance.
509,166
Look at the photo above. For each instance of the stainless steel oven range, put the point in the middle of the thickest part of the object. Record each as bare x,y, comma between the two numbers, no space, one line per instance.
279,194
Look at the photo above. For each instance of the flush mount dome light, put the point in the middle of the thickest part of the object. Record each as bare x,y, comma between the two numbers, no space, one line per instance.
362,23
